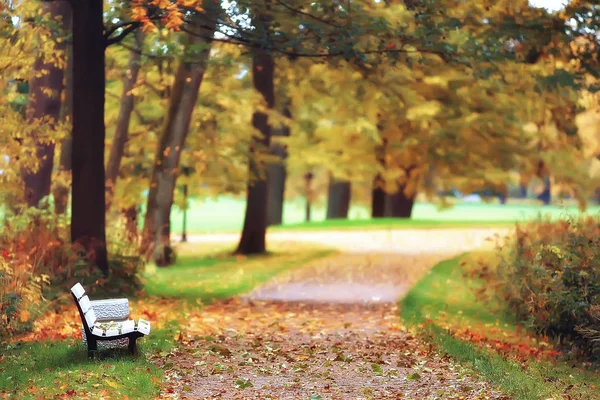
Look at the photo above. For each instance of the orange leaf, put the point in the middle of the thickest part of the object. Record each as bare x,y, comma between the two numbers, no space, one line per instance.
24,316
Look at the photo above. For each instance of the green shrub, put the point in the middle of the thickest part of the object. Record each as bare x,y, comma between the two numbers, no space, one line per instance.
548,276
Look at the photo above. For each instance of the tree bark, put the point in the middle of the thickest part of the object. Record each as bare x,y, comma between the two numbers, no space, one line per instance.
338,199
255,220
543,173
88,221
378,191
277,175
308,194
61,190
125,109
188,78
378,198
43,108
399,205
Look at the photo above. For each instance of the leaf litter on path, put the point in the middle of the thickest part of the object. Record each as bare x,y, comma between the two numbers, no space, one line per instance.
249,348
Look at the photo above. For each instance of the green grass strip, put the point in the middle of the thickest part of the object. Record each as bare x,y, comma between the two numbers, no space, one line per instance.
445,294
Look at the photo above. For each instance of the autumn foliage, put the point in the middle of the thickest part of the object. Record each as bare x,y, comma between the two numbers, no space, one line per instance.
38,265
549,279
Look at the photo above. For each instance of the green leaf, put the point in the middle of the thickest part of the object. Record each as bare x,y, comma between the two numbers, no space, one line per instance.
377,370
413,377
243,383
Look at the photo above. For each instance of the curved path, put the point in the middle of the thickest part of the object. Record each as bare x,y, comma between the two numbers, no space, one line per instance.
329,330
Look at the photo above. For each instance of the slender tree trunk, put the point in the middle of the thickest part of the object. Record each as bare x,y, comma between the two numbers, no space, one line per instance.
122,129
308,195
88,222
277,175
338,199
255,220
378,191
543,173
188,78
61,190
43,108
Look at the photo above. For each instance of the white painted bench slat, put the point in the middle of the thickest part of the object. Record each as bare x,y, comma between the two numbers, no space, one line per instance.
128,326
85,304
78,290
143,326
90,317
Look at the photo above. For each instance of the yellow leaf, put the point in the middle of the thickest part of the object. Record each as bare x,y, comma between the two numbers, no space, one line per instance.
111,384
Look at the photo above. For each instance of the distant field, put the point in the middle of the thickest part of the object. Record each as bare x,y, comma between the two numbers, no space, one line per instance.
227,215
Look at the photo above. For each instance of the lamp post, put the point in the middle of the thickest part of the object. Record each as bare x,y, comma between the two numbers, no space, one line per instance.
186,172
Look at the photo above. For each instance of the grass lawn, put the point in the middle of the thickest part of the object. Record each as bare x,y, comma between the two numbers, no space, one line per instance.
61,369
216,274
57,369
227,215
443,302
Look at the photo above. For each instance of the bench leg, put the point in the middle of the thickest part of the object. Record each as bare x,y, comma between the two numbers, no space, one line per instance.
92,347
132,347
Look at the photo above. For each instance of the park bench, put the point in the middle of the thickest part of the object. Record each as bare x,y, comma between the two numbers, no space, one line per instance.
107,321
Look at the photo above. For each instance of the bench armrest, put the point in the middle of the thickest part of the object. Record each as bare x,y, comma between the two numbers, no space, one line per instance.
111,309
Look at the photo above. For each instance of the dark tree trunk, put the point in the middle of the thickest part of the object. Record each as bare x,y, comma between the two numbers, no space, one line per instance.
338,199
277,175
523,192
546,196
255,220
188,78
88,223
61,190
308,177
543,173
378,192
122,129
399,205
378,198
43,108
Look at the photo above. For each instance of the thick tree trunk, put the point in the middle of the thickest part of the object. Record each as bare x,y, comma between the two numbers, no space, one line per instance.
399,205
378,198
277,175
43,107
88,222
255,220
61,190
338,199
122,129
188,78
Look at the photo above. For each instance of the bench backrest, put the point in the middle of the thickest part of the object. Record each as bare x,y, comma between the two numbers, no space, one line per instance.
86,312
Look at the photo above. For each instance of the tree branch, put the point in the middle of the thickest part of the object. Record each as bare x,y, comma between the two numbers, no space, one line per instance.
116,39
